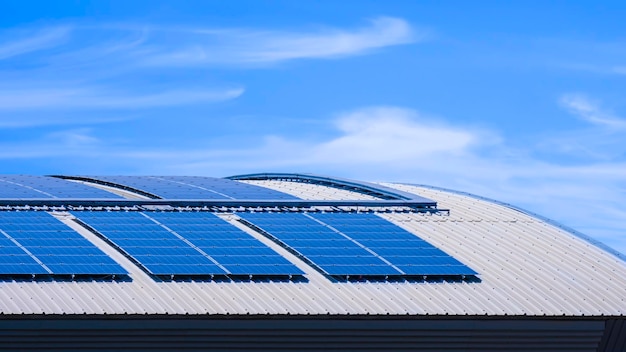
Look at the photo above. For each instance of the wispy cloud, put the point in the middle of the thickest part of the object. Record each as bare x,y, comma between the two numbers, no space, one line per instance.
621,70
107,67
84,98
246,46
390,134
31,42
82,106
591,111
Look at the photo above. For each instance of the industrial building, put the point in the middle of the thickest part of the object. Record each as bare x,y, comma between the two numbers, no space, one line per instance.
294,262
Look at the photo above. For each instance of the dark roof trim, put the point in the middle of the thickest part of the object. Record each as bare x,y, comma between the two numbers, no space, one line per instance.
367,188
292,203
534,215
109,184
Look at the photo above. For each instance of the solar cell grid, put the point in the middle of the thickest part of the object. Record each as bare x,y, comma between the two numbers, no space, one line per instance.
12,249
148,247
13,258
317,241
195,187
33,187
231,189
23,268
187,243
213,243
411,256
341,243
53,248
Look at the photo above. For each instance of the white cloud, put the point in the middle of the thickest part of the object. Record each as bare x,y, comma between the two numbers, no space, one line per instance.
104,67
73,138
43,39
591,111
384,31
388,134
74,142
232,46
85,98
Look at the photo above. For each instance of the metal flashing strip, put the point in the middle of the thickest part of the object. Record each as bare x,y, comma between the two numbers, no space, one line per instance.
367,188
250,203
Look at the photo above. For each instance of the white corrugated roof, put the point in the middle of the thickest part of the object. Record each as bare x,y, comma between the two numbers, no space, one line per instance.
526,266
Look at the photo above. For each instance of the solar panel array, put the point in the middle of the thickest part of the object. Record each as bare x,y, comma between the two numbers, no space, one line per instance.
195,187
231,189
185,243
332,252
361,244
402,249
38,243
33,187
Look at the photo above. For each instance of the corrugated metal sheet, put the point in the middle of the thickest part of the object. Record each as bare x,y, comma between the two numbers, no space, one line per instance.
526,267
311,191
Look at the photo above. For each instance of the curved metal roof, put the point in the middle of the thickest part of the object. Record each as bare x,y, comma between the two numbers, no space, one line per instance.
370,189
526,266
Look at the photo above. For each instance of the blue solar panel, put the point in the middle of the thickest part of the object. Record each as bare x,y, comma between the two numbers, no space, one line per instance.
33,187
320,247
37,243
215,237
195,187
356,244
154,247
21,268
402,249
185,243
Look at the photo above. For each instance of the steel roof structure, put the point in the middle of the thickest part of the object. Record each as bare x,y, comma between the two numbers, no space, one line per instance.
529,283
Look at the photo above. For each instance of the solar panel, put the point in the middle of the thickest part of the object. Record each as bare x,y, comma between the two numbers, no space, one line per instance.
195,187
37,243
356,244
185,243
235,250
402,249
231,189
33,187
158,250
330,251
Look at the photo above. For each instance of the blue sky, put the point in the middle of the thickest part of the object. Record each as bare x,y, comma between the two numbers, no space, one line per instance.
519,101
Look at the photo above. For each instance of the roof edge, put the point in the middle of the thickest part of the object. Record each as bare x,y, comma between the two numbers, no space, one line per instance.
367,188
547,220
